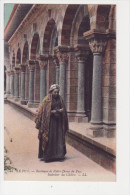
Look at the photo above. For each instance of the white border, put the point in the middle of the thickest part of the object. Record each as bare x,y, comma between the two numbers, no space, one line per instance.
121,186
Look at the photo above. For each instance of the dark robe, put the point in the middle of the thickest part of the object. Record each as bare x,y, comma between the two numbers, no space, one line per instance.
55,148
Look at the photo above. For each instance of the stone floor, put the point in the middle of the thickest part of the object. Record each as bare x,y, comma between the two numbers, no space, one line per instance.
23,149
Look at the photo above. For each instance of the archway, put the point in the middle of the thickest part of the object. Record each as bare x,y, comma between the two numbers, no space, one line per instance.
13,60
67,24
50,41
88,69
25,56
35,46
18,58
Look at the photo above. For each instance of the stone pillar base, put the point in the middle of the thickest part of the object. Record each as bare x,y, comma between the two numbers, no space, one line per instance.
109,130
7,95
95,131
23,102
16,99
81,117
71,117
33,105
11,97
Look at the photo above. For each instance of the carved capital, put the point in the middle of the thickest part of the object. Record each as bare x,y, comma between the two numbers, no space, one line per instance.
12,72
43,60
56,62
31,65
62,57
62,53
17,70
97,45
81,52
8,72
36,64
81,58
54,58
22,67
97,40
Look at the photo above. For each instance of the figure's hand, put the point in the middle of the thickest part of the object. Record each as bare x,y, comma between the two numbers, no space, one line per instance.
53,111
60,110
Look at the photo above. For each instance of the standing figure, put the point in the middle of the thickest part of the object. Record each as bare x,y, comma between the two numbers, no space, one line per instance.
52,122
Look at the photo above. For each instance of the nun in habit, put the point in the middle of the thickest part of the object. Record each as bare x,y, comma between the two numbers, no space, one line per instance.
52,123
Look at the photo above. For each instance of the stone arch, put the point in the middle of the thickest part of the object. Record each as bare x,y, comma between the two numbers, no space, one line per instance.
67,24
50,37
54,40
25,55
99,15
102,20
18,58
35,46
13,60
84,26
50,40
81,24
112,18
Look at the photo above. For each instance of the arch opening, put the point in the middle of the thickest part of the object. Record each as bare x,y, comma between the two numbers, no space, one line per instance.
35,46
13,60
50,39
18,59
25,56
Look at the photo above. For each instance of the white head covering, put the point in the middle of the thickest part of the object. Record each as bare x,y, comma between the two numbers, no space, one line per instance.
54,86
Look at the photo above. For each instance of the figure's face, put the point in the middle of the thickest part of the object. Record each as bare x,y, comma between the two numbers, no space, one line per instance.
55,93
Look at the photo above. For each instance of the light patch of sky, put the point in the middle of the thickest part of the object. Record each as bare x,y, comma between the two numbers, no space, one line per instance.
7,12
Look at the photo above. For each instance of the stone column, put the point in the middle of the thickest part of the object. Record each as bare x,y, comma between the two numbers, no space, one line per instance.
81,55
19,83
97,47
26,83
56,62
97,43
43,63
7,83
23,84
31,83
16,83
62,56
12,83
36,84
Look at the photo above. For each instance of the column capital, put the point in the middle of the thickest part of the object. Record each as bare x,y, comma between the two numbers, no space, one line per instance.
82,51
43,60
97,46
36,64
62,53
31,65
97,40
22,67
55,59
11,72
17,69
8,72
